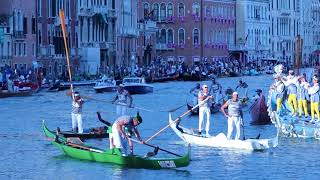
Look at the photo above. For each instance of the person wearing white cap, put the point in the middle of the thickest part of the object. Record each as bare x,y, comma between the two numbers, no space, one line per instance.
292,84
121,100
278,88
314,93
234,115
76,114
204,108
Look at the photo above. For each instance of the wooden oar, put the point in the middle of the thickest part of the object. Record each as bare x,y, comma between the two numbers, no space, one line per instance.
61,14
156,134
155,147
110,102
84,147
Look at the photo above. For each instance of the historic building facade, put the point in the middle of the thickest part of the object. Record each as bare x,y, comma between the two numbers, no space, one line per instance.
184,35
285,27
97,35
51,51
310,31
252,29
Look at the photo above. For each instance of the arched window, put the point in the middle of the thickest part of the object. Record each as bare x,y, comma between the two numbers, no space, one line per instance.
181,11
170,10
196,9
163,36
181,35
163,11
196,36
146,10
155,12
170,36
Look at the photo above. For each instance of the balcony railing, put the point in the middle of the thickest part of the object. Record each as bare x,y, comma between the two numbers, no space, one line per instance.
128,32
100,9
111,13
47,50
5,57
19,35
57,21
161,46
102,45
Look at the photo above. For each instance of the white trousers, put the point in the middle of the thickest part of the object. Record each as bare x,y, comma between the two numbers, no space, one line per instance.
117,140
122,110
77,122
234,121
204,111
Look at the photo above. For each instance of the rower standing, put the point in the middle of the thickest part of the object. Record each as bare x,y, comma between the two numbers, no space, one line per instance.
194,92
76,114
314,98
242,88
121,100
216,90
204,108
234,115
303,97
279,89
292,83
121,131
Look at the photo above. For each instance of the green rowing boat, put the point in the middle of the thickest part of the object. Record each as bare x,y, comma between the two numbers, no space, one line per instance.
85,152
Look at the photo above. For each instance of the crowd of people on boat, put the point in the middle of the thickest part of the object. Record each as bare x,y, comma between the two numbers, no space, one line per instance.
297,90
199,70
13,80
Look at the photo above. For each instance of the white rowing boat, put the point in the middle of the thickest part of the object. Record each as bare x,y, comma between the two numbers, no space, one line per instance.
221,140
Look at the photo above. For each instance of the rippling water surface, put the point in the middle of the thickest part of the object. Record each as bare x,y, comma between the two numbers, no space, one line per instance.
26,154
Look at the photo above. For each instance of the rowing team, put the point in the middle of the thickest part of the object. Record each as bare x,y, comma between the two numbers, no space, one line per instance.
234,114
122,128
299,91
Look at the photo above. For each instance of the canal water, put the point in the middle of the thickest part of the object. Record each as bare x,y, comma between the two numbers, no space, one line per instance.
26,154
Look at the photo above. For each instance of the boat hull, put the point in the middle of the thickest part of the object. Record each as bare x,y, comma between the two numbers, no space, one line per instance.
99,132
15,94
105,89
114,156
138,89
221,141
259,113
213,109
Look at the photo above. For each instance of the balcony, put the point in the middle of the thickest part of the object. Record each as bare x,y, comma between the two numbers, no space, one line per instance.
85,11
100,9
5,57
19,35
165,47
111,14
101,45
47,51
128,32
57,21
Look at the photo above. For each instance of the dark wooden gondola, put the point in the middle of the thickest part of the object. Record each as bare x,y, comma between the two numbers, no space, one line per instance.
259,113
91,133
5,94
214,109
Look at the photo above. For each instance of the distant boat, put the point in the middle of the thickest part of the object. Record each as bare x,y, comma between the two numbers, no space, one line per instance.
20,93
105,85
66,85
136,85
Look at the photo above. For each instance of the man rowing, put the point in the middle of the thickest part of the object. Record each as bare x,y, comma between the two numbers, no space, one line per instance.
194,92
314,98
279,88
303,96
122,129
291,82
204,108
121,100
216,90
234,115
76,114
242,88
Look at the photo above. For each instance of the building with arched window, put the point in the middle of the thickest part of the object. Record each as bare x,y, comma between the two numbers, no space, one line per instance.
182,34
